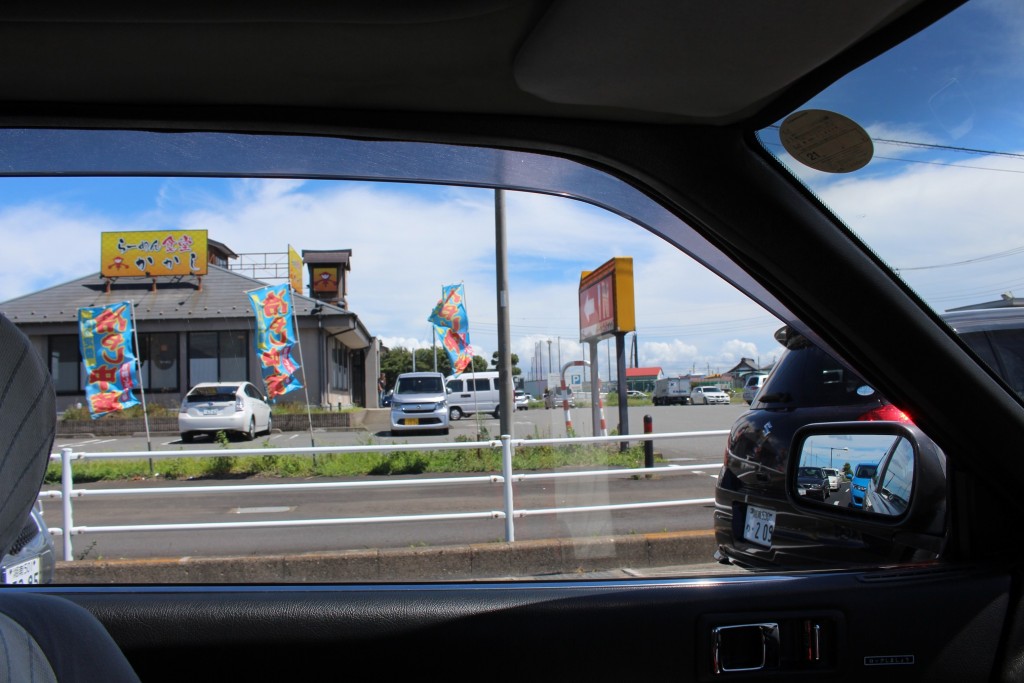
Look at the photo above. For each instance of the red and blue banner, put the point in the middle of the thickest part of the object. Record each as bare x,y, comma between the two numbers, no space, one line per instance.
105,336
275,338
452,325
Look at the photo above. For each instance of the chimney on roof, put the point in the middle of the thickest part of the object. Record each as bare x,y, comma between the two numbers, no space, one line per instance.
328,280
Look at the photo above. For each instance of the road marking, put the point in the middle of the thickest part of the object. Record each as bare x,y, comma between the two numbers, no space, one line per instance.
73,444
262,510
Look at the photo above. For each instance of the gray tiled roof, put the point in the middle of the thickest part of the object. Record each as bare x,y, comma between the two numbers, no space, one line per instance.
222,296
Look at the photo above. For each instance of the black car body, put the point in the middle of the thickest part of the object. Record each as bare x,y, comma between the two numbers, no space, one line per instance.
806,386
812,482
810,386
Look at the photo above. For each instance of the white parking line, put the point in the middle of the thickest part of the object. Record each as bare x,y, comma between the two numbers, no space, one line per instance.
77,443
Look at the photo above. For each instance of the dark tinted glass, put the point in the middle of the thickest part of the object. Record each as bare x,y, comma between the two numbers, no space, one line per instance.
807,376
1003,350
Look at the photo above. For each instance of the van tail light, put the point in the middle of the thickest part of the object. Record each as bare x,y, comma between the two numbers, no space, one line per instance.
239,404
888,413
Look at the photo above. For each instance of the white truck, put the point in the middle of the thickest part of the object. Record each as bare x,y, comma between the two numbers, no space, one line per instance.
671,391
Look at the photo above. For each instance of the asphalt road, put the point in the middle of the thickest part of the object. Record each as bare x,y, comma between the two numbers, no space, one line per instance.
530,496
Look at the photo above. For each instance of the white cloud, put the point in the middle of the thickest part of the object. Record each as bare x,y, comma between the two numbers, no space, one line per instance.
408,241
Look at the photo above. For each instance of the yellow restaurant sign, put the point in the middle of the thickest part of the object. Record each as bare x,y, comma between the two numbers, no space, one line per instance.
153,253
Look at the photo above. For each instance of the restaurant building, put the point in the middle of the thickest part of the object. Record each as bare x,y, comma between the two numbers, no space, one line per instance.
200,327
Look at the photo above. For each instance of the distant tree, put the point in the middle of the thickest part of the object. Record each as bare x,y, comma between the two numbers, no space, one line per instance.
516,370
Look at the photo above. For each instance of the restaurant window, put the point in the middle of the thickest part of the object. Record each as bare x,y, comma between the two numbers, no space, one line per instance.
218,356
66,364
339,365
158,353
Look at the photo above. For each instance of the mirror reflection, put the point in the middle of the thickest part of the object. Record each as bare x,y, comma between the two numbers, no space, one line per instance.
869,472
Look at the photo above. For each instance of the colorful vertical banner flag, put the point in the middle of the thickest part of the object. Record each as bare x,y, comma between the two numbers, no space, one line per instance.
452,326
105,340
275,338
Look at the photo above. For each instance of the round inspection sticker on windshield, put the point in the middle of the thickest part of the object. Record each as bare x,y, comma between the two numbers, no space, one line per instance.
864,390
826,141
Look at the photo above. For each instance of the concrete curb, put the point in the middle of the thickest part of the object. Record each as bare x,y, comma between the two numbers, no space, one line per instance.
463,562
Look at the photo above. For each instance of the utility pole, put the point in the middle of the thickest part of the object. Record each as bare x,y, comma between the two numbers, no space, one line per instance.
507,403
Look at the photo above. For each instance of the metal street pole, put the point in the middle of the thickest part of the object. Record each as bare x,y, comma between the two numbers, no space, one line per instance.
831,452
507,401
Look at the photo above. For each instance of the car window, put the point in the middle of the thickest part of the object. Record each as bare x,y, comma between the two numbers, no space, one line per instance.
897,479
809,376
935,126
385,232
217,393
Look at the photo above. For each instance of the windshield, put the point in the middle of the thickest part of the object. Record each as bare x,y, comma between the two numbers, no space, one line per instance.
419,385
866,471
938,195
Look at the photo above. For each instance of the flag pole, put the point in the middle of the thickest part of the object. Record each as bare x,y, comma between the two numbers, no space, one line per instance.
142,388
472,365
302,366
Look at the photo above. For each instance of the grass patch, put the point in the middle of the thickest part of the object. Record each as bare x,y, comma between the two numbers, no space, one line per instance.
354,464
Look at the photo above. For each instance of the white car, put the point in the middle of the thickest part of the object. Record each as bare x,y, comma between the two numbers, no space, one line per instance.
833,477
522,400
709,396
235,407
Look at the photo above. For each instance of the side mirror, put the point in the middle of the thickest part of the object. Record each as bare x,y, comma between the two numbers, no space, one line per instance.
896,478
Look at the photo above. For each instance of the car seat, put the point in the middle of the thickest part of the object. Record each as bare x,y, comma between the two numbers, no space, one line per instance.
42,637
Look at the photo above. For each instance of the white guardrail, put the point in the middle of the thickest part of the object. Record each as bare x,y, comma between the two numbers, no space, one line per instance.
68,493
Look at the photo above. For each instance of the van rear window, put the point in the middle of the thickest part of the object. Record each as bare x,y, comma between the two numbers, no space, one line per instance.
204,394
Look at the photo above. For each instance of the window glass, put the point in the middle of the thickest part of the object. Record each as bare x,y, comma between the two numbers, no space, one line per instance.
159,358
218,356
938,202
339,365
66,364
937,186
202,357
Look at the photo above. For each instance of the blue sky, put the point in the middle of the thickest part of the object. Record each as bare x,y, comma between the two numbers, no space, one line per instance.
407,242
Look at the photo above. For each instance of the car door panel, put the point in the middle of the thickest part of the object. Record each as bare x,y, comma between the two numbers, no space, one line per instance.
884,624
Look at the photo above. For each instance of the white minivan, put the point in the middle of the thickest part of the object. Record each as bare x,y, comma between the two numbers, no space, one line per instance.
474,392
752,386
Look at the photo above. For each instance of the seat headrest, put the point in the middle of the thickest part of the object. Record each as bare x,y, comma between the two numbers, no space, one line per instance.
28,421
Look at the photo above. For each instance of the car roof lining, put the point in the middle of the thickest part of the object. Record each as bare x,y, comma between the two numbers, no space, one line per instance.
571,59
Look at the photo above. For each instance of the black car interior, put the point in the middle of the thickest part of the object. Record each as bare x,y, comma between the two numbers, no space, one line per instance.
616,87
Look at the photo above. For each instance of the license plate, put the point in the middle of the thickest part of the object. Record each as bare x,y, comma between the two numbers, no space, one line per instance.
210,411
759,526
412,420
23,572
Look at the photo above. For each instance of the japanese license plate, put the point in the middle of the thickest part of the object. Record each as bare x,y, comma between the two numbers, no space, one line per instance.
759,526
23,572
211,411
412,420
